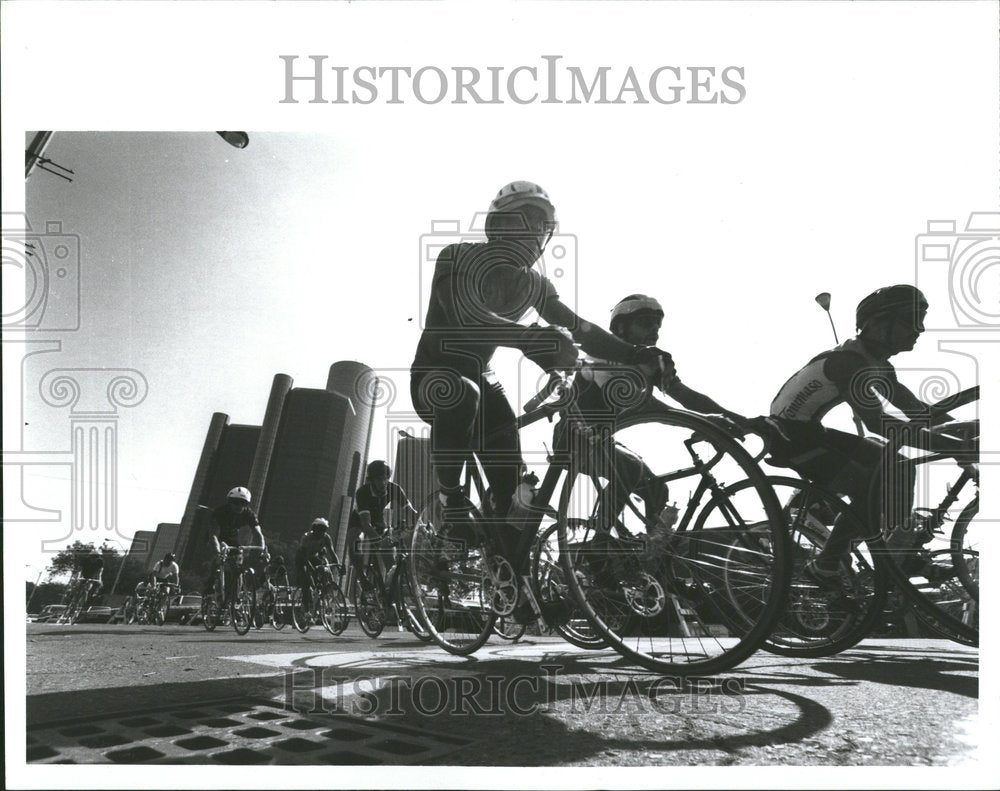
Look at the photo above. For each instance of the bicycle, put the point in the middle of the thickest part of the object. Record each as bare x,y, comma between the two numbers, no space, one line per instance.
78,600
651,612
941,585
329,606
153,607
230,601
376,600
276,600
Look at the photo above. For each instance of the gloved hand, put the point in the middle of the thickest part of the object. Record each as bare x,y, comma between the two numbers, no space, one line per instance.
655,363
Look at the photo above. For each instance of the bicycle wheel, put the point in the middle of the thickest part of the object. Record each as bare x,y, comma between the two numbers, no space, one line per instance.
448,571
666,604
816,622
211,614
301,617
241,607
279,610
369,603
553,593
333,609
965,549
410,607
509,629
77,606
130,610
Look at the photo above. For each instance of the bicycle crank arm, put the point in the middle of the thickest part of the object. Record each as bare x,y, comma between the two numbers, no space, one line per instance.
526,590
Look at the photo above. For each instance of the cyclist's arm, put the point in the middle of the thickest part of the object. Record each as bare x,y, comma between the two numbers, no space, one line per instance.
592,339
861,385
695,401
214,535
331,552
257,537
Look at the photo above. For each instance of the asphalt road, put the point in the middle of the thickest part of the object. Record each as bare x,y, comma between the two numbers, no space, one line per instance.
538,702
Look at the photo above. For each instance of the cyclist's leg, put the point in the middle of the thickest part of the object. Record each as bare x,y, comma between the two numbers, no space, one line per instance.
848,464
209,584
499,447
449,402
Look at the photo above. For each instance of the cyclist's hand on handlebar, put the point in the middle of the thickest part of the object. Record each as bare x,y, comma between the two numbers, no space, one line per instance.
656,363
550,348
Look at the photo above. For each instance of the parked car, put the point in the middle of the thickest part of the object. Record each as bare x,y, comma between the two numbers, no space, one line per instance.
97,614
183,608
50,612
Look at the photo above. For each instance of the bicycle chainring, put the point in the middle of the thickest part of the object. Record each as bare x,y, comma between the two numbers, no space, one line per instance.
500,585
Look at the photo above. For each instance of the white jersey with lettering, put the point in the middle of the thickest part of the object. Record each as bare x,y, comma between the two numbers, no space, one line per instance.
824,381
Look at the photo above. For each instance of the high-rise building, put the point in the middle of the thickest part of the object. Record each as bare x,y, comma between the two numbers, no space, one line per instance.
358,383
164,541
280,387
229,466
412,468
142,544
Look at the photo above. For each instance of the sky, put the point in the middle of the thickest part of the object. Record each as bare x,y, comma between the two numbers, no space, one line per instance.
209,269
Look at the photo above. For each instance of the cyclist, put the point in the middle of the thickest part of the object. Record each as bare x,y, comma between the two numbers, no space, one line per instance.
889,322
166,571
380,505
233,524
90,571
273,568
316,548
479,293
637,320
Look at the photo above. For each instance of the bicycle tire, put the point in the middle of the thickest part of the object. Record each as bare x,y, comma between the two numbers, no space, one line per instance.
447,577
577,629
78,605
410,607
280,610
508,629
300,617
209,612
964,558
241,607
130,611
369,604
333,609
813,626
630,605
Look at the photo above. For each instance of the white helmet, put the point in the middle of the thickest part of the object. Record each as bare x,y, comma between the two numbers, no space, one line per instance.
239,493
523,193
634,303
321,523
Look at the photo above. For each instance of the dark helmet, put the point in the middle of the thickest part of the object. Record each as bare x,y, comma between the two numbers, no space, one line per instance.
169,557
379,469
902,298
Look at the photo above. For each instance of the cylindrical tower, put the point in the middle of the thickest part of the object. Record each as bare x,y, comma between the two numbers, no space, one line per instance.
215,430
268,433
359,384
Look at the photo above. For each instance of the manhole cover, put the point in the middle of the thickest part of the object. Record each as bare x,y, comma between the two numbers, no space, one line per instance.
234,732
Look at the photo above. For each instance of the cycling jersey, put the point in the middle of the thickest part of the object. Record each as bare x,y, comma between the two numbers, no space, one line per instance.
827,380
480,279
230,520
91,567
392,500
314,546
166,571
